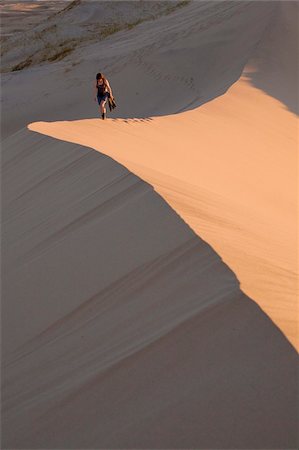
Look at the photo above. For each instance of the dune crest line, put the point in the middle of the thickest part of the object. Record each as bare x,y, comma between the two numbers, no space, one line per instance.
224,184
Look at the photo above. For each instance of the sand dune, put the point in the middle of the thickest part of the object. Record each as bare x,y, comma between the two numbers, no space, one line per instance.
72,24
174,63
122,326
223,171
241,201
17,17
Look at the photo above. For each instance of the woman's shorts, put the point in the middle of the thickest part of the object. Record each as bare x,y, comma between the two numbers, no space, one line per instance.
102,97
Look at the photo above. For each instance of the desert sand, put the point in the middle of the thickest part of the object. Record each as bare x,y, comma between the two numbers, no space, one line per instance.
19,16
149,260
228,168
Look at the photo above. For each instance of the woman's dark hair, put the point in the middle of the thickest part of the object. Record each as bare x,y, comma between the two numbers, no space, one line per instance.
101,76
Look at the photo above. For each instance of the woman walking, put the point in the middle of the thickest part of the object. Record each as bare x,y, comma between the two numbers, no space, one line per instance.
103,92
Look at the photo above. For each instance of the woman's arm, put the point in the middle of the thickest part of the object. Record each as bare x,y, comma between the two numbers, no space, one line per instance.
109,88
95,90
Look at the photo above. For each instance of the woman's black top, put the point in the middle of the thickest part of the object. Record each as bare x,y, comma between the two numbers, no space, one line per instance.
101,89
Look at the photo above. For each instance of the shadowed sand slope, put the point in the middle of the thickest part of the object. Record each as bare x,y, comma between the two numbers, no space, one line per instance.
121,327
275,66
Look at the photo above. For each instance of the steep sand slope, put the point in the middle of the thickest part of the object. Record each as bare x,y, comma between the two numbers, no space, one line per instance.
228,168
121,327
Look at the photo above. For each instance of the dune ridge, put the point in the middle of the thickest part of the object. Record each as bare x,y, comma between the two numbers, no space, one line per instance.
235,187
153,294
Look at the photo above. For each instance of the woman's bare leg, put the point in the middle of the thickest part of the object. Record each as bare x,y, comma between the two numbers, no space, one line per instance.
103,106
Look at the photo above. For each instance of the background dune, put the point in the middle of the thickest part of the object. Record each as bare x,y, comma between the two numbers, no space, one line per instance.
122,326
174,63
71,25
18,16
